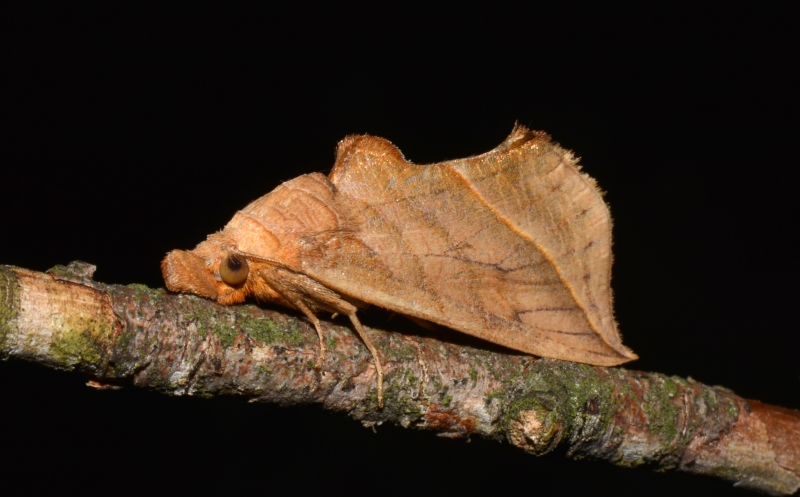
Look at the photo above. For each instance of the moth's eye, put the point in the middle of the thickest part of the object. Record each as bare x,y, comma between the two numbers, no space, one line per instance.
233,270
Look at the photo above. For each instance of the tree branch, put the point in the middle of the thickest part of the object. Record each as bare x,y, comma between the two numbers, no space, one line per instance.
184,345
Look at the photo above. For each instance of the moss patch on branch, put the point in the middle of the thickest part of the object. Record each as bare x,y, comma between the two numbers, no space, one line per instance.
80,343
9,302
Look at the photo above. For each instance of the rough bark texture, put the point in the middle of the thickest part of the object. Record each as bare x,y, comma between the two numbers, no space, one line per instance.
184,345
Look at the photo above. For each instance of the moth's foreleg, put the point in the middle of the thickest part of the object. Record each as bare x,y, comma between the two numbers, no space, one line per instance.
373,351
305,293
311,317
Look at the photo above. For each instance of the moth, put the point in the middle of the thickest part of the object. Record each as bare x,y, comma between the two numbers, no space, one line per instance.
512,246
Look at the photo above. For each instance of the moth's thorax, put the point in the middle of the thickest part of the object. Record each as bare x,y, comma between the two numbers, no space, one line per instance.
248,234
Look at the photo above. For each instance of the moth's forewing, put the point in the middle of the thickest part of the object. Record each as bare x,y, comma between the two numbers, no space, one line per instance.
495,246
536,188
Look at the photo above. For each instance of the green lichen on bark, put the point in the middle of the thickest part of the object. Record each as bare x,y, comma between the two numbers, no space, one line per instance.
590,407
226,334
473,375
80,343
9,302
73,347
663,416
60,271
144,293
550,426
231,322
401,394
267,331
402,353
583,401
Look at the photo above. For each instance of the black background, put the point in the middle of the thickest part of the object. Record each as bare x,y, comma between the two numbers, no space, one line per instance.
130,133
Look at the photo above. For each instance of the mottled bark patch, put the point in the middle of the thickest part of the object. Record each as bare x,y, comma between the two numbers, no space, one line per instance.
9,302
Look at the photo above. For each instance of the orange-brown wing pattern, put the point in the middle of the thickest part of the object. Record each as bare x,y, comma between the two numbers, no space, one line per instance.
512,246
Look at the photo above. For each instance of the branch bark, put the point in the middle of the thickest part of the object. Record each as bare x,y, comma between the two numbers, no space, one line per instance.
184,345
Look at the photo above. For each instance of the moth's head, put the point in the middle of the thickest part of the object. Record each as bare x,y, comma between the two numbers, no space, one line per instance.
215,270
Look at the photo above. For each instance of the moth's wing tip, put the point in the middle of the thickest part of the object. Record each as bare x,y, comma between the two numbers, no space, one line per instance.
520,136
624,355
613,344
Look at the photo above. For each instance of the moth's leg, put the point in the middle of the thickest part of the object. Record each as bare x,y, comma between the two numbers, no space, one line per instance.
311,317
297,288
373,351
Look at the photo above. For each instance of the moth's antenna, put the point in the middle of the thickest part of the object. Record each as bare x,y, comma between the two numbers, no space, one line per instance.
268,260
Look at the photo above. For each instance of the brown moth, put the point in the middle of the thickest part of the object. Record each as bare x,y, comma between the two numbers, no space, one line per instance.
512,246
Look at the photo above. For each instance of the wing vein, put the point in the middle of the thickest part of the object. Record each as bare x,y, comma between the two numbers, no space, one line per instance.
503,219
